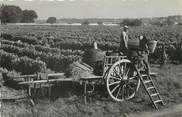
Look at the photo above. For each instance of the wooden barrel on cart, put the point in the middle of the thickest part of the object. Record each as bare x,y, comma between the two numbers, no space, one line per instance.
134,44
95,58
93,55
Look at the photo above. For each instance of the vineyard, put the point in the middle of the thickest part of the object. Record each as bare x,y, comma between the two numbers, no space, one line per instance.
31,49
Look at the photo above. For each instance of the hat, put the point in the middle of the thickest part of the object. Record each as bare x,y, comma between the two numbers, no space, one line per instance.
141,37
126,27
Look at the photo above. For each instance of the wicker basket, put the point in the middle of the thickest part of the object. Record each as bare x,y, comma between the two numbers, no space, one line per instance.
78,70
152,45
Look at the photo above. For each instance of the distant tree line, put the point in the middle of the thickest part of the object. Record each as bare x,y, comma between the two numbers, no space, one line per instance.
160,21
131,22
14,14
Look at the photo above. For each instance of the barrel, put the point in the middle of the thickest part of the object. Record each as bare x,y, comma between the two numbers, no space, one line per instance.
92,56
152,45
134,44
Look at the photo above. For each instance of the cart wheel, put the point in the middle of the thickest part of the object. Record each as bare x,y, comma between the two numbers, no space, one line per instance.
121,81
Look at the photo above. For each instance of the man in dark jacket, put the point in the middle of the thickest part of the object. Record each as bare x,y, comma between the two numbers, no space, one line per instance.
144,52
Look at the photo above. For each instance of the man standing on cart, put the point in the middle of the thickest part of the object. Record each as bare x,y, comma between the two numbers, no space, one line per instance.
124,40
141,53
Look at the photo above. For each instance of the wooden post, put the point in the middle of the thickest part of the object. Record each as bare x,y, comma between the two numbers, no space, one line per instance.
35,85
49,87
85,92
34,90
30,96
29,91
49,91
40,88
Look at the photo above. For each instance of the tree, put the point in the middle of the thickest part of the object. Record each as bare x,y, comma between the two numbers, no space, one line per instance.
86,23
137,22
157,23
131,22
100,23
10,14
51,20
170,21
29,16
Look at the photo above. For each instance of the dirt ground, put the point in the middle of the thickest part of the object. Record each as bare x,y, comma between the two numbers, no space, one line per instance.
173,111
66,103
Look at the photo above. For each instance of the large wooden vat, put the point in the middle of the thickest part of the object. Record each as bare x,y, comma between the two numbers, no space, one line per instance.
92,56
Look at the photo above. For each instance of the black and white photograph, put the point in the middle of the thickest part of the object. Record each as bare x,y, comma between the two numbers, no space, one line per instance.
90,58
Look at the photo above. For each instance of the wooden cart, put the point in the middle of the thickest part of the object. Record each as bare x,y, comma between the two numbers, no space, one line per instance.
121,76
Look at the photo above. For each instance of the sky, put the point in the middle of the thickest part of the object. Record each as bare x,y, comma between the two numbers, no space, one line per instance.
100,8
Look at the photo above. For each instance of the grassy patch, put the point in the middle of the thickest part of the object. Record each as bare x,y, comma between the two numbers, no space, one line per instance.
168,81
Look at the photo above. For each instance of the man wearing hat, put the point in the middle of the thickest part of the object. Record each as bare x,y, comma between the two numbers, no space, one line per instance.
124,40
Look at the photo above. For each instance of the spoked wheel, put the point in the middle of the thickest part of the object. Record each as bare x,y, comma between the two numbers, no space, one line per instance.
121,81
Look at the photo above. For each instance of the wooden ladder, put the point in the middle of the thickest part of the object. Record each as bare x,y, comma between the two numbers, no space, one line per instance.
151,89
